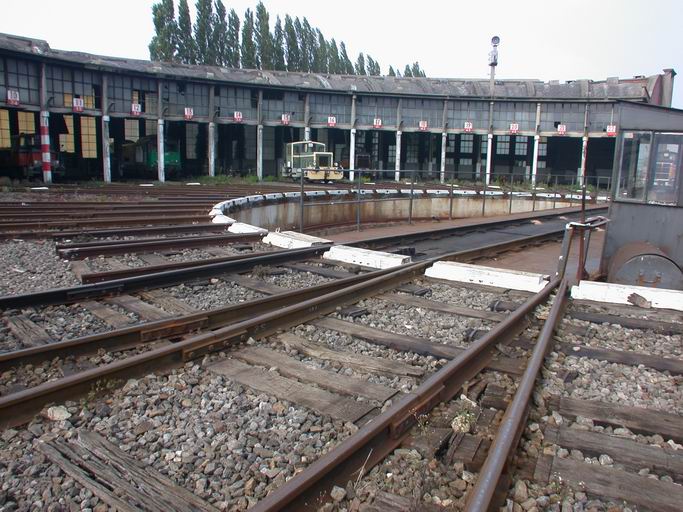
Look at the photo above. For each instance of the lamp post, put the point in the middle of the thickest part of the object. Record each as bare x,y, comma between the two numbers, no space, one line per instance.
493,62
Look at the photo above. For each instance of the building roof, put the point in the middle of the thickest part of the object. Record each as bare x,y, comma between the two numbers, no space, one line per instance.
640,88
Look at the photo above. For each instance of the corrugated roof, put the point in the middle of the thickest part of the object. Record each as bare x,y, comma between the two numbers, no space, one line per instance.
631,89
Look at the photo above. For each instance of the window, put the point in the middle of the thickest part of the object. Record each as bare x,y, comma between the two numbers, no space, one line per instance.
521,146
503,145
543,147
150,127
27,122
666,168
465,161
132,129
191,131
483,144
5,141
466,143
88,138
66,140
634,159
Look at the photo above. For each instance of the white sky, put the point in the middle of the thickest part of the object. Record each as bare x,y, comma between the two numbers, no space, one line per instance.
544,39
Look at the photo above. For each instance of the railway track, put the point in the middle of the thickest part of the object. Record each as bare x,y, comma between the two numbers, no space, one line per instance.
375,373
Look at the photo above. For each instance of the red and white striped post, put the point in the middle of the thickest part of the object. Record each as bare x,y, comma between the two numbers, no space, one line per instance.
45,146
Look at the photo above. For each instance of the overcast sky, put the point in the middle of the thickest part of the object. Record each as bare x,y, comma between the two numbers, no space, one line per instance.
548,39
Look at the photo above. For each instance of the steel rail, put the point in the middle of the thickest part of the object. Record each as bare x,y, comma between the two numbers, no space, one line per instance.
20,406
122,231
120,339
78,251
488,485
375,440
156,280
112,221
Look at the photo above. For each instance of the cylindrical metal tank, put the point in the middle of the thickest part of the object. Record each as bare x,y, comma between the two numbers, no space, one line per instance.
642,264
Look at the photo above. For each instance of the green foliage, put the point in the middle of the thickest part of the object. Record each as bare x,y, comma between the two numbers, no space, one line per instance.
360,64
233,41
292,52
248,47
262,39
219,34
220,38
203,33
279,46
163,44
187,51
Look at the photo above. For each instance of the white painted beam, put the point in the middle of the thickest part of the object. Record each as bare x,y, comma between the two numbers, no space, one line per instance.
365,257
292,240
489,276
619,294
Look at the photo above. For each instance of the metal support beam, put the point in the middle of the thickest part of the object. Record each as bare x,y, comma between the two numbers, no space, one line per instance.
489,157
259,152
444,139
307,118
352,154
584,149
212,148
45,129
106,156
534,162
161,172
397,166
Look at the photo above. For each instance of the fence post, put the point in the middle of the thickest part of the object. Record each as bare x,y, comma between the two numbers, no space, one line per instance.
360,174
450,203
301,204
483,201
410,202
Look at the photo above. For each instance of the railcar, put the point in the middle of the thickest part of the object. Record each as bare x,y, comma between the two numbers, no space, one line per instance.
644,239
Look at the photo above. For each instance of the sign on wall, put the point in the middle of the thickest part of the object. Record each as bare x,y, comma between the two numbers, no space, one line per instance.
135,109
611,130
468,127
561,129
189,113
331,121
423,125
377,122
12,97
78,105
285,119
237,116
514,128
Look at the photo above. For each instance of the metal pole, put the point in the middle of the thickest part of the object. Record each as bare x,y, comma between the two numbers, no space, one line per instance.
483,201
360,174
397,164
410,203
510,192
301,204
450,205
555,193
352,154
580,269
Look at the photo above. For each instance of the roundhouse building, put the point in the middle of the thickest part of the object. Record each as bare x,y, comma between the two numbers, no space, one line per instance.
109,118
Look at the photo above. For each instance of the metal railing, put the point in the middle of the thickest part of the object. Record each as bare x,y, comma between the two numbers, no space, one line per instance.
510,186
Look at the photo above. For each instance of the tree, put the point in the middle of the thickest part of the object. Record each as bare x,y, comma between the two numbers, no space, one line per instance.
391,71
184,40
302,43
203,33
233,40
321,58
407,71
248,48
163,44
373,67
263,39
279,46
219,34
417,72
334,62
292,52
360,65
346,66
307,43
